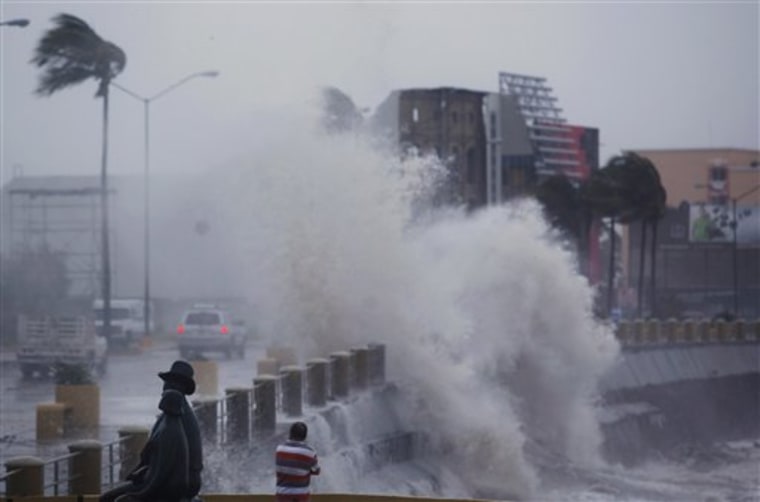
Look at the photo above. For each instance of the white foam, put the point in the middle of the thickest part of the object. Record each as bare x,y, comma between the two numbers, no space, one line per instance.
488,326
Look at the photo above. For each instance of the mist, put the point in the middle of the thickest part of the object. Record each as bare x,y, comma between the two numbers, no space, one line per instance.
488,326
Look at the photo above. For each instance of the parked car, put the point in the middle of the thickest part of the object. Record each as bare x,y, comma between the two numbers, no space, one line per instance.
208,328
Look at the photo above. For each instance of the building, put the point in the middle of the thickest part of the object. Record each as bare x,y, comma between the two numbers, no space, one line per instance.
498,145
444,121
708,243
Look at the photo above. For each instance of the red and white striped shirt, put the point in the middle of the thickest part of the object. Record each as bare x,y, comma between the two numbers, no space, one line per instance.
296,462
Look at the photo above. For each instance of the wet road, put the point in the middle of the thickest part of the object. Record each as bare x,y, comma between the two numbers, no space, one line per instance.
129,394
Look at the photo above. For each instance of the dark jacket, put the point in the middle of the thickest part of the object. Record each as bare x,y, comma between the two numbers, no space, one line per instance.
195,450
194,446
165,455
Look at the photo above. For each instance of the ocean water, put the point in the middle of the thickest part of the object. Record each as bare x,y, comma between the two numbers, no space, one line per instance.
488,326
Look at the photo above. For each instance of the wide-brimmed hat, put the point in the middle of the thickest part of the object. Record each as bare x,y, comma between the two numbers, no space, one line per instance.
181,372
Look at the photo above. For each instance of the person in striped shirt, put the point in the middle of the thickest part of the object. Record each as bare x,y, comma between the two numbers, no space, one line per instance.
296,462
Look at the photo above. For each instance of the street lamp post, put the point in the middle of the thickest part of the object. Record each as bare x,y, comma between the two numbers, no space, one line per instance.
735,250
20,23
146,241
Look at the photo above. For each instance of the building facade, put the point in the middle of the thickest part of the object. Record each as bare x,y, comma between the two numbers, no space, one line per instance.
708,243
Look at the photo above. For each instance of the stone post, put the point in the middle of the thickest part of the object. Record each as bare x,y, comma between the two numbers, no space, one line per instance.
339,368
377,363
238,418
265,404
85,467
133,440
206,377
267,366
360,358
83,401
206,411
50,420
292,390
25,477
316,382
286,356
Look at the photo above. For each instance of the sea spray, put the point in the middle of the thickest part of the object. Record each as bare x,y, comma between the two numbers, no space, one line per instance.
488,326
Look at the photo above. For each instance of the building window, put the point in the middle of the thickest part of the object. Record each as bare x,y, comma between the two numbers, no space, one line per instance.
717,184
471,168
454,117
415,114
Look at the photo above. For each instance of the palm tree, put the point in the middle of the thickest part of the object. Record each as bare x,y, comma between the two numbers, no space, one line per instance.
635,186
68,54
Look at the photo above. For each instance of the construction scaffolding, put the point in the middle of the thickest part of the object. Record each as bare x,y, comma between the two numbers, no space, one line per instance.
65,220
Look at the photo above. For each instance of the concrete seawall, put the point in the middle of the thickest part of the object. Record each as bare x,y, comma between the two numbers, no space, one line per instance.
660,399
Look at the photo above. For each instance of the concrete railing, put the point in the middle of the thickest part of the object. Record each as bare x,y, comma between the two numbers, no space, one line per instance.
671,332
282,388
241,414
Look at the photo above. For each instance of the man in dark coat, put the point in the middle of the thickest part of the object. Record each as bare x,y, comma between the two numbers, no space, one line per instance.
178,378
163,475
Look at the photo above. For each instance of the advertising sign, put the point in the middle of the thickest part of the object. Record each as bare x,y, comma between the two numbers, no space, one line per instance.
714,223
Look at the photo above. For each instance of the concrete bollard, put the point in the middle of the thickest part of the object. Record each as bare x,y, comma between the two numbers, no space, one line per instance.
85,467
741,329
720,331
50,419
637,332
286,356
651,333
265,404
339,372
360,357
376,363
267,366
238,418
83,402
291,381
701,331
689,331
676,330
316,382
24,477
207,413
206,377
132,440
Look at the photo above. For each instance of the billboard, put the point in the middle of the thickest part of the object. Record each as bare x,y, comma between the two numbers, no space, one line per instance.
714,223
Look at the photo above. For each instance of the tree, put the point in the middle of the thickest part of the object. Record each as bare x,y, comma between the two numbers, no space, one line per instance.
629,189
605,195
564,210
68,54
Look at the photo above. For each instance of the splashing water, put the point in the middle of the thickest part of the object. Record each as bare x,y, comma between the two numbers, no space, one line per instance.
488,326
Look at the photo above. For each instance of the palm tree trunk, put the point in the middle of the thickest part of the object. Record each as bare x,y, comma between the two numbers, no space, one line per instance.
611,271
653,269
106,258
642,263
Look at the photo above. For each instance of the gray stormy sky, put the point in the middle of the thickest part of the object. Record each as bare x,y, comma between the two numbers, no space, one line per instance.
647,74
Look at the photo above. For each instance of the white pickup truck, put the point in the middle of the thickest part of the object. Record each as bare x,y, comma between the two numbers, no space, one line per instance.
46,341
127,321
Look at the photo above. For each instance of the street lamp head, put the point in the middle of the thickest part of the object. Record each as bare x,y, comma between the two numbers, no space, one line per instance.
21,23
210,73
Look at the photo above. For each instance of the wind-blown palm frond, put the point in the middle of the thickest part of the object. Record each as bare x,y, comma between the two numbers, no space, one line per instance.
72,52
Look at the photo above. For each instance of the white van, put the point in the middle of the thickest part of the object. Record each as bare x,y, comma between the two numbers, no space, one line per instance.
127,320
